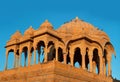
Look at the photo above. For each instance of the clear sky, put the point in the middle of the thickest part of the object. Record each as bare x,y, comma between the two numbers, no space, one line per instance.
20,14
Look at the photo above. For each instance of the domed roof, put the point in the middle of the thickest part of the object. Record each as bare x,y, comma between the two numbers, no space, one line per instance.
29,31
16,35
46,24
79,27
75,25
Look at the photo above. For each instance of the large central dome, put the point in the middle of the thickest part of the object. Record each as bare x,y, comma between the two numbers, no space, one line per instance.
75,26
80,28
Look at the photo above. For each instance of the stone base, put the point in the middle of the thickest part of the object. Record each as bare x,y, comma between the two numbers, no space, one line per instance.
52,71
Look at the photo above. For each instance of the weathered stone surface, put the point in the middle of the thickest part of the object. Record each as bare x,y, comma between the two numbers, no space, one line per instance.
74,42
52,71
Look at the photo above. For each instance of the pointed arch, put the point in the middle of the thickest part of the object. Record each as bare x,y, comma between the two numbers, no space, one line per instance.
60,54
87,59
24,56
96,61
40,52
77,56
11,59
52,50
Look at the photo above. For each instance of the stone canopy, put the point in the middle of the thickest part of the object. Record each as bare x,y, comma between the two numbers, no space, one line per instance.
70,31
74,41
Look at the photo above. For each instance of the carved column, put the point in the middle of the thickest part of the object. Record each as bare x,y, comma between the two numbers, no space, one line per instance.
90,54
83,52
46,53
104,66
39,53
109,68
101,62
20,52
109,63
17,57
6,60
94,67
65,58
35,55
14,59
29,56
71,57
56,53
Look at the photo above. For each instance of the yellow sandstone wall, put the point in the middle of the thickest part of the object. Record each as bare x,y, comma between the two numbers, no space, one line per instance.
52,71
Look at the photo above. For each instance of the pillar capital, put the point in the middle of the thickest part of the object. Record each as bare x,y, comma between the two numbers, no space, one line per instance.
109,57
83,51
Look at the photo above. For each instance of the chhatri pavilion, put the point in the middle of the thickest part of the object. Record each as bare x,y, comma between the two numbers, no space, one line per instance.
73,42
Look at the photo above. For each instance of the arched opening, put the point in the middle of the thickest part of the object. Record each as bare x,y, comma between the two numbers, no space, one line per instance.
105,65
52,51
32,56
11,59
77,57
40,54
95,61
24,57
86,60
60,54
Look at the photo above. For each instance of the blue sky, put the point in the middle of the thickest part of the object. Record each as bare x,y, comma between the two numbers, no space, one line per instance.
20,14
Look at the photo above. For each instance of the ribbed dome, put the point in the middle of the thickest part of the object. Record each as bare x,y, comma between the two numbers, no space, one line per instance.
16,35
79,27
46,24
29,31
76,25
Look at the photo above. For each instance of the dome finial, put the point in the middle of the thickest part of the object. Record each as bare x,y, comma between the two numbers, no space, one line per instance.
76,18
46,20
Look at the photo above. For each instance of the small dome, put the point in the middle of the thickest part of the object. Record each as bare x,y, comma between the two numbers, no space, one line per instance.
16,35
29,31
46,24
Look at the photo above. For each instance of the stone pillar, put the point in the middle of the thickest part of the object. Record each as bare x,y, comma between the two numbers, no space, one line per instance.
109,68
109,63
71,57
83,52
46,53
104,67
65,58
72,60
101,62
90,54
34,55
29,56
94,67
56,53
17,60
14,59
6,60
39,53
20,52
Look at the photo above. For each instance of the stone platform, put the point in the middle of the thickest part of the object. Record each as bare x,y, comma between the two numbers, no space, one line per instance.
52,71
